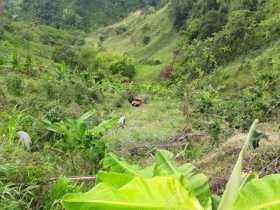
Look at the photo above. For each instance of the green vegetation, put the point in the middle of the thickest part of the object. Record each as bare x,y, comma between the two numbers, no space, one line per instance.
163,185
201,72
82,14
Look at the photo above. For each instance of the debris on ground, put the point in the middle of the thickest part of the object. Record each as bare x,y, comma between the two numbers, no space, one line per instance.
25,139
263,159
137,102
122,121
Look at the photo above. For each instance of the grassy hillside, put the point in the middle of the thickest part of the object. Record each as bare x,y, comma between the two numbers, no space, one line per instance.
84,14
205,69
146,35
224,79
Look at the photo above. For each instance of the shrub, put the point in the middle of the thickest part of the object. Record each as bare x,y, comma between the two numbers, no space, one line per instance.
208,101
212,22
181,10
146,40
81,93
28,65
1,31
57,191
192,28
67,55
50,88
2,61
124,97
153,62
249,4
15,85
78,40
121,30
4,25
27,35
238,36
55,114
123,67
48,39
76,134
16,61
102,38
168,72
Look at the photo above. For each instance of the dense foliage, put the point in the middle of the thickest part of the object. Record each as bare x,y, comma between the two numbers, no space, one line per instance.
83,14
216,34
203,70
163,185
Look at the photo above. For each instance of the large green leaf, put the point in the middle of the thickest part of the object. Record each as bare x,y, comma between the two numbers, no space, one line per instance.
247,177
233,186
201,190
114,164
99,130
186,169
198,184
164,165
160,193
113,179
260,194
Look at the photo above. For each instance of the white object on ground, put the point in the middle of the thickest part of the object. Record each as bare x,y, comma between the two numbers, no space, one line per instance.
25,139
122,121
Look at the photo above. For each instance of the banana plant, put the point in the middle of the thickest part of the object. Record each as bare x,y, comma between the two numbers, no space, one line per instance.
159,193
235,181
75,135
74,132
166,186
161,179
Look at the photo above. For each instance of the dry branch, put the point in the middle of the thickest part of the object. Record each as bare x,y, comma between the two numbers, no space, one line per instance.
76,178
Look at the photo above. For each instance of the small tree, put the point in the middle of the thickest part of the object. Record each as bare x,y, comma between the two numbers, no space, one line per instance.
249,4
181,10
146,40
123,67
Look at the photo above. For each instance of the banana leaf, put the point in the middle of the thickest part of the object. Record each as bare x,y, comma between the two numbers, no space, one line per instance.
164,165
113,164
99,130
159,193
113,179
260,194
235,181
198,183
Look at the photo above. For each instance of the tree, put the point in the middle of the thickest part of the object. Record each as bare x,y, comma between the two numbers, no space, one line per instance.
212,22
181,10
249,4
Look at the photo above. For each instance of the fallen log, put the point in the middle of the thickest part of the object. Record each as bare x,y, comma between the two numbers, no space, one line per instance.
177,141
76,178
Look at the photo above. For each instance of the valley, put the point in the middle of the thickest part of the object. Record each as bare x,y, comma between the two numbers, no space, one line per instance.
202,72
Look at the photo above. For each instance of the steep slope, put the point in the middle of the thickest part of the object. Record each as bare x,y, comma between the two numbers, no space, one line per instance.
224,79
83,14
144,34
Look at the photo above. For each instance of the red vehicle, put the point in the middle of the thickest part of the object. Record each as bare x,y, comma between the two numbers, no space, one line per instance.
136,102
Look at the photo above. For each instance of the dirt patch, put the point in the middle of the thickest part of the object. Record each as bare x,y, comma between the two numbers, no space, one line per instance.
265,160
181,141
